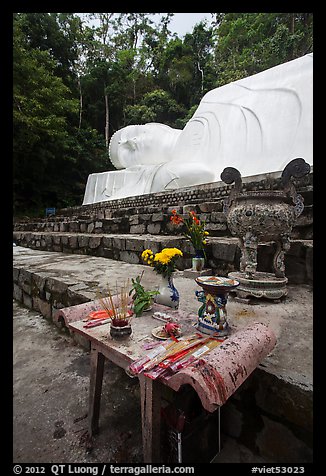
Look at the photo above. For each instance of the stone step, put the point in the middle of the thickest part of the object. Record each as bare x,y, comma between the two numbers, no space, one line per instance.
223,253
153,221
209,192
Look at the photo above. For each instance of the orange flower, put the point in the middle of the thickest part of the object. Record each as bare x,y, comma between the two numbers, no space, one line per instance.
194,229
175,218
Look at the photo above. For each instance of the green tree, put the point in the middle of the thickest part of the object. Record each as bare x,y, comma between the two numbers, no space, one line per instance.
156,106
248,43
45,140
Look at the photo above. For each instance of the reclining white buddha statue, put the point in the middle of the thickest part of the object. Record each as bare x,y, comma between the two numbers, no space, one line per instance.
256,125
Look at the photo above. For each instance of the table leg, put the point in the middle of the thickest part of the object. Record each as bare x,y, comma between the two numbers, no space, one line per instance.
150,394
95,389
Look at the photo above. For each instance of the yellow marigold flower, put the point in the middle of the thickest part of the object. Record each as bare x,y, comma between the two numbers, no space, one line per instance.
146,254
206,233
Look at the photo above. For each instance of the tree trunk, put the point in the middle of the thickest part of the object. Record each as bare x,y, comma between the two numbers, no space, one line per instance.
106,120
80,104
202,78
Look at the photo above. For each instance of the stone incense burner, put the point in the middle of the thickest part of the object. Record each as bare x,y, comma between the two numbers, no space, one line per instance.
263,216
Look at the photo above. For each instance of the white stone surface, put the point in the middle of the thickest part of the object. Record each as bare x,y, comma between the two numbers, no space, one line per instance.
257,125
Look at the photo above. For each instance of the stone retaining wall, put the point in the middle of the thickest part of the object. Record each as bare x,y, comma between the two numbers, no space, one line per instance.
151,213
223,254
190,195
44,294
152,221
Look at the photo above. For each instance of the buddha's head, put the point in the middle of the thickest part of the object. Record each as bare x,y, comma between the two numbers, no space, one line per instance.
146,144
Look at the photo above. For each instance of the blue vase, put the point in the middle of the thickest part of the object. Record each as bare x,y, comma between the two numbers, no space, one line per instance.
198,262
169,295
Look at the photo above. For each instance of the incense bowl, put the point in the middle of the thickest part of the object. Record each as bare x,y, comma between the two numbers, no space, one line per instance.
212,315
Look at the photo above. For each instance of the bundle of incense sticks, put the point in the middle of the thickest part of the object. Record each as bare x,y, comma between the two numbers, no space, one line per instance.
164,351
121,309
137,366
174,348
171,365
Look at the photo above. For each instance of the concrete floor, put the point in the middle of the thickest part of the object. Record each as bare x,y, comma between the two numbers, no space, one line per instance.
51,377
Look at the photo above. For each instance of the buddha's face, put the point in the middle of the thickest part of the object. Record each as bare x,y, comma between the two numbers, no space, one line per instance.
146,144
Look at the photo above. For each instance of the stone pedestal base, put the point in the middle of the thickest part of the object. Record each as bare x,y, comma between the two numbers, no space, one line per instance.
190,273
263,285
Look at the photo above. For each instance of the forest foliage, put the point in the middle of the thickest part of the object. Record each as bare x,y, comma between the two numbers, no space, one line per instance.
78,78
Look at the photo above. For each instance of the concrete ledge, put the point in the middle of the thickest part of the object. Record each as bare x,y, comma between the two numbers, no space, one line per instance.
223,253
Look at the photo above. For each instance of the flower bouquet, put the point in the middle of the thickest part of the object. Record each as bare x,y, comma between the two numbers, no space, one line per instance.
164,263
193,230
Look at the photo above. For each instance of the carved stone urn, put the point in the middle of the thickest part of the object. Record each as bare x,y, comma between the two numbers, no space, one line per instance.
263,216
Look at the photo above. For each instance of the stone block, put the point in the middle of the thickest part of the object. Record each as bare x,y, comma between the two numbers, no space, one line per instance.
157,216
54,286
174,243
74,226
90,228
94,242
64,240
42,306
38,284
278,443
25,281
224,250
134,220
217,227
138,229
107,241
134,245
154,228
283,400
17,293
72,240
15,274
190,208
57,239
129,257
27,300
83,241
210,207
218,217
152,245
119,243
108,253
48,240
